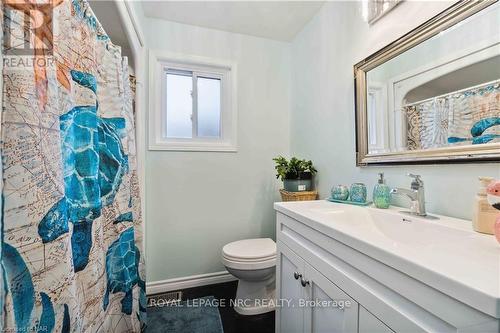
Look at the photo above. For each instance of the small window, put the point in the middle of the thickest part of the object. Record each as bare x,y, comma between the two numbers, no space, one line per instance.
195,107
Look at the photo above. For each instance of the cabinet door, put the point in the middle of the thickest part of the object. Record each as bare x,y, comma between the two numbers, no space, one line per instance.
290,269
332,310
368,323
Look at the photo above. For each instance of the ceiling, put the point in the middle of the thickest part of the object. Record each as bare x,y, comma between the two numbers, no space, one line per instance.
279,20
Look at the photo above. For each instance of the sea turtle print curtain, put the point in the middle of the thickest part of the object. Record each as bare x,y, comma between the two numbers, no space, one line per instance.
468,116
71,231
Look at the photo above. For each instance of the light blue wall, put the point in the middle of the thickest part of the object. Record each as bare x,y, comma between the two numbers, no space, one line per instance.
322,107
196,202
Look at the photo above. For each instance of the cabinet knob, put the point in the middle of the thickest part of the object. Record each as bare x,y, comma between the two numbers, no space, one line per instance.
296,275
304,282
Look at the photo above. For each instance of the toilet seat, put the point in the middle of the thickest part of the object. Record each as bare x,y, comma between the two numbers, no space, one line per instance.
250,254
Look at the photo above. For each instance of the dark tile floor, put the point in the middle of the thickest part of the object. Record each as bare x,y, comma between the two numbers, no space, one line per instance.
232,321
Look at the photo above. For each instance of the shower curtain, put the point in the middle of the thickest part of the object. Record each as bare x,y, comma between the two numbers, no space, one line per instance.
71,229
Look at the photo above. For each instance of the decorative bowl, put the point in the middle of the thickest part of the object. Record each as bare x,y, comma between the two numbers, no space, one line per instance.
340,192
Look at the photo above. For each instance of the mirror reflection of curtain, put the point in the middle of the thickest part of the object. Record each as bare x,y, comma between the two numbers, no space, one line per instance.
469,116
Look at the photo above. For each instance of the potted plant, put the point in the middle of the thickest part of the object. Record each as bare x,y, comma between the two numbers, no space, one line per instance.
296,174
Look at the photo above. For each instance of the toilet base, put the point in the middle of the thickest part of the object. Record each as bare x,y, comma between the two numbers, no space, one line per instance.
255,297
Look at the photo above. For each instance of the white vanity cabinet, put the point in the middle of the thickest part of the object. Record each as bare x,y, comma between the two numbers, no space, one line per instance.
337,282
300,285
368,323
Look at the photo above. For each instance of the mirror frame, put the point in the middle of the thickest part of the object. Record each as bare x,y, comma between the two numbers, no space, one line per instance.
478,153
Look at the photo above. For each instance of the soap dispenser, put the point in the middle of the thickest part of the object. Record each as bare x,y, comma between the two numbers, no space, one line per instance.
484,215
381,193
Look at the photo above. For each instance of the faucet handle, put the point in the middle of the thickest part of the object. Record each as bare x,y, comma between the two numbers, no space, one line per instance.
417,180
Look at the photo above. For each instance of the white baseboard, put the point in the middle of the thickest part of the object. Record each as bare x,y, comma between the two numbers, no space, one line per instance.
162,286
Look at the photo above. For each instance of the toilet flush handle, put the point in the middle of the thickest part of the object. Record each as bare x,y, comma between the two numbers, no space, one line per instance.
296,275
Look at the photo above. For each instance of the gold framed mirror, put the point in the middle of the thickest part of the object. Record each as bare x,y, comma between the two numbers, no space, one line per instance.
433,95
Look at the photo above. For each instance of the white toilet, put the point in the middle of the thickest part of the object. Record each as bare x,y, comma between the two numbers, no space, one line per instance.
253,262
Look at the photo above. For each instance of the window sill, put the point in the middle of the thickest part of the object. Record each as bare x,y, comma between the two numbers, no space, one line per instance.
194,147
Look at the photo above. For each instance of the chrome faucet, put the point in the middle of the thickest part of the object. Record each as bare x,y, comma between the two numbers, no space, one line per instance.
416,195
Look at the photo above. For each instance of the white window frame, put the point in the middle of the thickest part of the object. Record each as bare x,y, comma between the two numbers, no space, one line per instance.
379,120
159,63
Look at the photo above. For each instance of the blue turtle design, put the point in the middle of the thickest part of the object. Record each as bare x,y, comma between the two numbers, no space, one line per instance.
94,164
122,264
477,132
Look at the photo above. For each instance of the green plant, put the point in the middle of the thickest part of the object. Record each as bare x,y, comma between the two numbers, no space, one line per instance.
292,169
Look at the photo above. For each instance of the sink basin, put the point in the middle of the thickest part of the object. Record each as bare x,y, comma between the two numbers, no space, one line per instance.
395,228
444,253
407,230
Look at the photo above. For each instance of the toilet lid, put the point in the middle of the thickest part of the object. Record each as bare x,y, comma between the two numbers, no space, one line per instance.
258,248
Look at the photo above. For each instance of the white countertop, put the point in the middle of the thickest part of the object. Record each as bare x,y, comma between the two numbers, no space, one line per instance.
445,254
